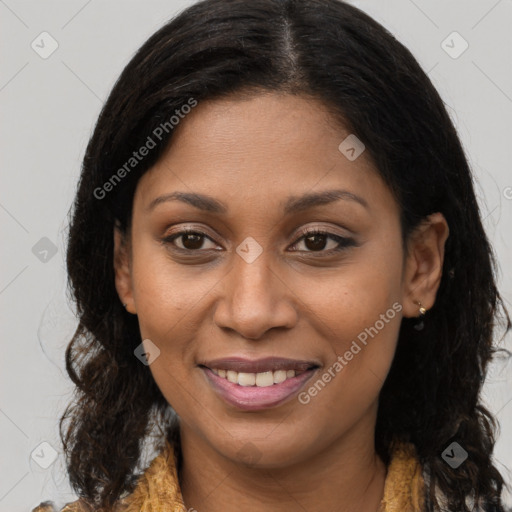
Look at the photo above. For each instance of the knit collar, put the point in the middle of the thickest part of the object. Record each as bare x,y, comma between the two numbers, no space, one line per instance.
158,490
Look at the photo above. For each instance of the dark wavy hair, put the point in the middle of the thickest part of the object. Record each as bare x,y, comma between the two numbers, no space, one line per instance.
331,51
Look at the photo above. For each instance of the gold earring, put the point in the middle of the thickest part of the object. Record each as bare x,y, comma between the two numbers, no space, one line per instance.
420,324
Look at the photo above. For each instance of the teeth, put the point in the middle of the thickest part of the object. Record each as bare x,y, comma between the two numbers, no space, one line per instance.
246,379
264,379
279,376
260,380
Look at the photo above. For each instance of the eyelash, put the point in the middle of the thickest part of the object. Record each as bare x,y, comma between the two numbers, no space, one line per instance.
343,242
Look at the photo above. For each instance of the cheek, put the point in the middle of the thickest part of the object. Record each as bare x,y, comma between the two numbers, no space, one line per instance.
166,293
358,312
165,303
360,316
361,325
168,299
362,346
357,296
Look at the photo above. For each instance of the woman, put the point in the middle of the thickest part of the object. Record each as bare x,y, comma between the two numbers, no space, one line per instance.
283,282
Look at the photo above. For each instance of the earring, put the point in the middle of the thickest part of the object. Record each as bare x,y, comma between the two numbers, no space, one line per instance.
124,306
420,324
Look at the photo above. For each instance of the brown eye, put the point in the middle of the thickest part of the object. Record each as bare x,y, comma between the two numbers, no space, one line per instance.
316,242
192,241
189,240
323,241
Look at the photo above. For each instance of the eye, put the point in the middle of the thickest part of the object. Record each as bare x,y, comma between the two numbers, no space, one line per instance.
317,240
190,240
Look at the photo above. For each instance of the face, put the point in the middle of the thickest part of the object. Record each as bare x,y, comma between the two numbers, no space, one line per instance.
274,341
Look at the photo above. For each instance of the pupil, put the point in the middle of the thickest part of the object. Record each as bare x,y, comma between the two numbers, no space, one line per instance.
192,241
318,242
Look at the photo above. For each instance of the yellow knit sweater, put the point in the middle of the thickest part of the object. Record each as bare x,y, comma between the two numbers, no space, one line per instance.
158,490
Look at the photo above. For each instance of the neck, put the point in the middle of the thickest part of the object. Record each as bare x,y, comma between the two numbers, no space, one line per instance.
347,475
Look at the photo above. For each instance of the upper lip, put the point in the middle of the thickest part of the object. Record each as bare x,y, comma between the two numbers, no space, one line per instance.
240,364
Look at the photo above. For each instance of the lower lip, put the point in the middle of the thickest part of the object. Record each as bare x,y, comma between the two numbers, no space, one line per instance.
254,398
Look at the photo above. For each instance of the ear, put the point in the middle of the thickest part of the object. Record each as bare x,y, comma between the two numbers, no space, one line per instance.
424,264
122,269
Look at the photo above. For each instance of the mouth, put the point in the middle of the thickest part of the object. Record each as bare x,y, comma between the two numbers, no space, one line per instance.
261,384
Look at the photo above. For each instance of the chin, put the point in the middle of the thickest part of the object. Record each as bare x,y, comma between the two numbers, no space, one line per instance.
268,451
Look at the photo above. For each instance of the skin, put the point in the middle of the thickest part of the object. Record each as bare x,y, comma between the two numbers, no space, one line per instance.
295,300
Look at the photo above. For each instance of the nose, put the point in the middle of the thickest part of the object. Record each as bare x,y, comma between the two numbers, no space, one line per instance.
255,299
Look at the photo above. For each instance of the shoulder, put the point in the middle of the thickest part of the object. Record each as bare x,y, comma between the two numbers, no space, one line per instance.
158,482
74,506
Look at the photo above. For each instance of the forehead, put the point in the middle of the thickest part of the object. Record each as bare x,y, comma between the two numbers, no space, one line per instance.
288,126
269,146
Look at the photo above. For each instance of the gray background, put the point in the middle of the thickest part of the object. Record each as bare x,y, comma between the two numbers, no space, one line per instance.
48,109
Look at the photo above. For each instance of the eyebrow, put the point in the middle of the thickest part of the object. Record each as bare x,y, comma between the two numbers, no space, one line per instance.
306,201
200,201
293,204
